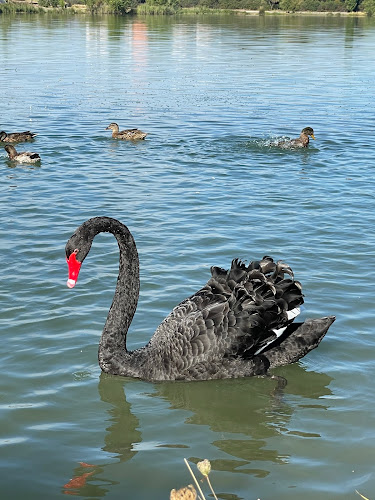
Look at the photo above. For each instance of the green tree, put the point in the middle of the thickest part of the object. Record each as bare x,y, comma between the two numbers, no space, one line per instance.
121,6
289,5
369,7
51,3
352,5
164,3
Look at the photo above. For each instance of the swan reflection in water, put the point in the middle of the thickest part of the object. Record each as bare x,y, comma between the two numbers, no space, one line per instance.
244,414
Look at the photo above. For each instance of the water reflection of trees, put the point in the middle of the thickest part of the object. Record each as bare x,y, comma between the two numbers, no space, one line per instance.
244,414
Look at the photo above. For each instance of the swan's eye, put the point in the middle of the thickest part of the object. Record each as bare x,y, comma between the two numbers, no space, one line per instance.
76,251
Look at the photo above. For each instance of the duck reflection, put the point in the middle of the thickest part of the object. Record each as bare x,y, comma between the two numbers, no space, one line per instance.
243,413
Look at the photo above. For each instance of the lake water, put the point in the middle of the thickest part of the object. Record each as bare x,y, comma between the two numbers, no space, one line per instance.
207,185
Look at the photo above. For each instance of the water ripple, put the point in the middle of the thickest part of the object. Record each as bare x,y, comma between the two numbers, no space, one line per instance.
208,184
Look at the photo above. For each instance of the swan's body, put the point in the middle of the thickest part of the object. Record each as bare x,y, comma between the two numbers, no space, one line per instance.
24,157
301,142
132,134
239,324
17,136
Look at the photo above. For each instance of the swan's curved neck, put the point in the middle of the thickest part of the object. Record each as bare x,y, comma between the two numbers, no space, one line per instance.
113,355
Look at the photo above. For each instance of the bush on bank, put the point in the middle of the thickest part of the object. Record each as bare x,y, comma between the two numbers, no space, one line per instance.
168,7
174,6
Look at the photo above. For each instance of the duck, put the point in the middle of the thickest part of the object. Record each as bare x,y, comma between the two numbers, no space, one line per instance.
301,142
24,157
133,134
239,324
17,136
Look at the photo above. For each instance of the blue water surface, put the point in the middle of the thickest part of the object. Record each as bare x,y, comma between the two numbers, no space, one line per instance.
208,184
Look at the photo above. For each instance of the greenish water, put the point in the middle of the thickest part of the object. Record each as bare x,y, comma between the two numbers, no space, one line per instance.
206,186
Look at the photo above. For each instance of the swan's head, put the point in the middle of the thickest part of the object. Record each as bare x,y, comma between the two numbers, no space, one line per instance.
76,251
308,131
2,135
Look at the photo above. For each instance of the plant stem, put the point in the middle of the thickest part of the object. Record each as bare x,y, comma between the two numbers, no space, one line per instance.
195,479
209,484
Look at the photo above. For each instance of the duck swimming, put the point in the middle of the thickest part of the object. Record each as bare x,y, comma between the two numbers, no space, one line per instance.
132,134
17,136
301,142
239,324
24,157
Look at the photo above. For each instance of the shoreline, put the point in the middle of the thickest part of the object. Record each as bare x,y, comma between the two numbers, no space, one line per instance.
33,6
280,12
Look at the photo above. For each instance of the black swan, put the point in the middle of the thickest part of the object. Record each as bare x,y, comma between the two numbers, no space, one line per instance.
239,324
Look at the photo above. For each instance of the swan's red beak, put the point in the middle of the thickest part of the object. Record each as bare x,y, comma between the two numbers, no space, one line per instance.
73,269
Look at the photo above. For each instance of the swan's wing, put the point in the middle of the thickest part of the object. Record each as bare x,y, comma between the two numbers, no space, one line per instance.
198,328
234,315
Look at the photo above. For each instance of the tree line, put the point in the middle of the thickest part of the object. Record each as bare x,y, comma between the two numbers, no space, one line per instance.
179,6
171,7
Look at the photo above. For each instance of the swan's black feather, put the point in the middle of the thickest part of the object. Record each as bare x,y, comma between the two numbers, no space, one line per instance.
231,317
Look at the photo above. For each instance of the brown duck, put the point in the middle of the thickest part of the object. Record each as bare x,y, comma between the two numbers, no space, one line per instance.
17,136
132,134
24,157
301,142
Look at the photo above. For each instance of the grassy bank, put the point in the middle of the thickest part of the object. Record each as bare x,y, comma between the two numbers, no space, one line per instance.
17,7
123,7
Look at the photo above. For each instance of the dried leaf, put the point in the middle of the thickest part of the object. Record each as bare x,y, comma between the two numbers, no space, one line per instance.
187,493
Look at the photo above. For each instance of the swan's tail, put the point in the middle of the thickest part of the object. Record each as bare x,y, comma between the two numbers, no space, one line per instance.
297,341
